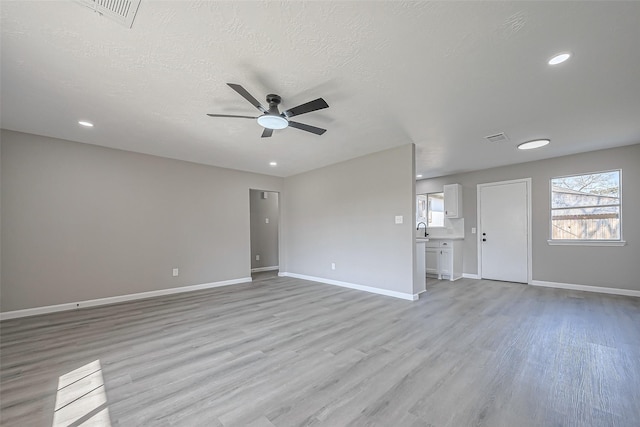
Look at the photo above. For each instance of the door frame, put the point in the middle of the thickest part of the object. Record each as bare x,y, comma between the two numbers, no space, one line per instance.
279,224
527,182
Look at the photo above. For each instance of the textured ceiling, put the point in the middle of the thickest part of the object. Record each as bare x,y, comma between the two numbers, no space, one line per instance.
440,74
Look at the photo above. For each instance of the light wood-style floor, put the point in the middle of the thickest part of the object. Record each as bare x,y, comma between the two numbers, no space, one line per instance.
286,352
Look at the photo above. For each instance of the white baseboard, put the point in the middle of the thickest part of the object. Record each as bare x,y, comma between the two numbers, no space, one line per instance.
116,299
258,269
586,288
395,294
470,276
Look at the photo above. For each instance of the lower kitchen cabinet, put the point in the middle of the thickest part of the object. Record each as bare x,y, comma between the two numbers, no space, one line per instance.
444,258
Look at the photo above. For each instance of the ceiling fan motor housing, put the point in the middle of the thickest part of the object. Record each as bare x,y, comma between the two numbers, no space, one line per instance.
272,98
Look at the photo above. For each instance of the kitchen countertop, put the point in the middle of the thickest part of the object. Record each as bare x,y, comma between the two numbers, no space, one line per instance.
439,238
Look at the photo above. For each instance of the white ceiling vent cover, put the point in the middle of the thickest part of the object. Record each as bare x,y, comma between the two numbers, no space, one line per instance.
121,11
498,137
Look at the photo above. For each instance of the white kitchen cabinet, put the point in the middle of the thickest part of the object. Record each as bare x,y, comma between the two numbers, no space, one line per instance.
446,264
420,277
453,201
444,258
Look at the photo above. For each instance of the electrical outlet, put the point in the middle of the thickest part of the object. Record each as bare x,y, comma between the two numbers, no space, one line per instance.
399,219
266,220
257,257
175,272
473,230
333,265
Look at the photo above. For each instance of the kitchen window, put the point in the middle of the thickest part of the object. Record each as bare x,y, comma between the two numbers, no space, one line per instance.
430,209
585,209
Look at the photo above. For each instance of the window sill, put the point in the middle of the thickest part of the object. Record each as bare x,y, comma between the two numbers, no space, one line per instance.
586,242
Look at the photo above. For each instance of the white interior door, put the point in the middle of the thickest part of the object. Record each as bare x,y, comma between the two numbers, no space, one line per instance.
504,231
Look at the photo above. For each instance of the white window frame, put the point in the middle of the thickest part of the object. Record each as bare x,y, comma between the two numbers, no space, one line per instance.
426,218
420,219
585,242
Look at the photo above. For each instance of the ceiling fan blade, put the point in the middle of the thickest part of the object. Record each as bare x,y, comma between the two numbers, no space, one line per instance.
246,95
316,104
308,128
267,133
227,115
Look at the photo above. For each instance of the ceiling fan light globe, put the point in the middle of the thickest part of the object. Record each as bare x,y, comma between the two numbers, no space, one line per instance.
273,122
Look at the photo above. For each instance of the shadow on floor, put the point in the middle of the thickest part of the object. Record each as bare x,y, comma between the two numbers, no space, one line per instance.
264,275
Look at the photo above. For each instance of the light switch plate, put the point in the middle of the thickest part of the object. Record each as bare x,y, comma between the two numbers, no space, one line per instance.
473,230
266,220
399,219
175,272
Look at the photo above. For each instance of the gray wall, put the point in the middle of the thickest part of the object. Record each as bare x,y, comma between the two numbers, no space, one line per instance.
264,237
344,213
615,267
82,222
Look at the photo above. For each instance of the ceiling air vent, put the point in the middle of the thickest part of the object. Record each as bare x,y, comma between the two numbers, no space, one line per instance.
498,137
121,11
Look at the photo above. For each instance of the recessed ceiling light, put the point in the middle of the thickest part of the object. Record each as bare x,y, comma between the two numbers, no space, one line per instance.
273,164
559,58
418,176
536,143
85,123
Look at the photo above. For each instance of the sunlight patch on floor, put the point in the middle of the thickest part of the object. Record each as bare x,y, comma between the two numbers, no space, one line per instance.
81,399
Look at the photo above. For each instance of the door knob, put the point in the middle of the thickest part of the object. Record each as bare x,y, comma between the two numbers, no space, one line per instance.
484,240
484,234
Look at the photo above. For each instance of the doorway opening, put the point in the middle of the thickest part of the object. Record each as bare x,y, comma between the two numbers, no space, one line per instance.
264,207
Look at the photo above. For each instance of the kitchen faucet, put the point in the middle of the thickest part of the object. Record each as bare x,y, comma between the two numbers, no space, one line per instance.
425,228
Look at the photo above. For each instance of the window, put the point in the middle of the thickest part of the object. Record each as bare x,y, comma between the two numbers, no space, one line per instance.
430,209
586,207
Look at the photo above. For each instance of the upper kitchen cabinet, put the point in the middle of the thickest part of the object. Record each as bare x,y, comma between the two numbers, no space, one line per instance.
453,201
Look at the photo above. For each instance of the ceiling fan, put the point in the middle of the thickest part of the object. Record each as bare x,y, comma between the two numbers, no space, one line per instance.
272,119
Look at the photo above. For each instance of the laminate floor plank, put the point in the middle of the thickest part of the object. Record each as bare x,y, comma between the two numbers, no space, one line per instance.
287,352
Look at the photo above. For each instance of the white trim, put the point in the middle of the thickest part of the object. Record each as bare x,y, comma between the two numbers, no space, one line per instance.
258,269
470,276
586,242
116,299
586,288
527,181
401,295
